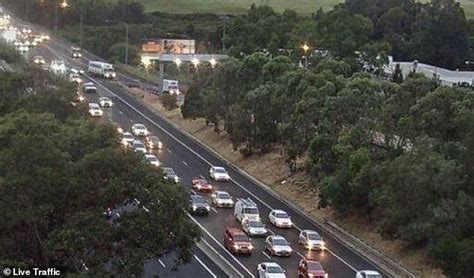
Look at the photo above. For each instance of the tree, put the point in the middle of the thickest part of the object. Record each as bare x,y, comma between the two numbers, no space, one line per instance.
397,76
117,53
169,101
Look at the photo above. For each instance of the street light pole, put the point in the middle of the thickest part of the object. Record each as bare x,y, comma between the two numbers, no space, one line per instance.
82,24
224,18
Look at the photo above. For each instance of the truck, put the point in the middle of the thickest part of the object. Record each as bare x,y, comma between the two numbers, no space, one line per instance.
101,69
58,67
171,87
76,52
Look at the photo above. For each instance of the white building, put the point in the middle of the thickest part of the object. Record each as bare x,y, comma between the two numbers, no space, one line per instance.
447,77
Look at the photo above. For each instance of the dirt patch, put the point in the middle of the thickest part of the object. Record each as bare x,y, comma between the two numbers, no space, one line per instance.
271,169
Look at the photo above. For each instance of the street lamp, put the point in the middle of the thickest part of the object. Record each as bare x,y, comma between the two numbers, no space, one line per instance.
195,62
213,62
224,19
178,62
126,36
305,48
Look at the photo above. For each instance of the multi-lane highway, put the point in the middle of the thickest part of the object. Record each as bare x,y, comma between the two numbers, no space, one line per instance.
189,158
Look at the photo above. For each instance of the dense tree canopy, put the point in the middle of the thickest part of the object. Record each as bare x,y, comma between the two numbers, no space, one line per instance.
59,172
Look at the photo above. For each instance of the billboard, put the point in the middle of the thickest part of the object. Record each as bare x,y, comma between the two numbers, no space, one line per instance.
169,46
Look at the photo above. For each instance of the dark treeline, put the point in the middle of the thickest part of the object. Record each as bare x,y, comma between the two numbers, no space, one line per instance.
60,171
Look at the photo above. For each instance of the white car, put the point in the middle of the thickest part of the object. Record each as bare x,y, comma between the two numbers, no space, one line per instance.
105,102
368,274
74,77
278,246
218,173
140,130
311,240
89,87
222,199
270,270
280,219
94,110
138,146
152,159
127,139
254,227
39,60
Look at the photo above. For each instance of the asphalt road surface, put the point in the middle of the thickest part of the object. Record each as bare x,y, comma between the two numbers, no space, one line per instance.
190,159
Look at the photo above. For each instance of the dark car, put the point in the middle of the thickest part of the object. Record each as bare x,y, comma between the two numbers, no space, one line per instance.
311,268
198,205
237,241
170,174
201,184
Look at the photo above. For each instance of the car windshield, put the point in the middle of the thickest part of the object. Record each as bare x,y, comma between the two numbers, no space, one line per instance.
256,224
128,136
109,71
274,269
250,210
373,276
241,238
198,199
282,215
223,196
279,241
169,172
314,266
314,236
152,158
139,127
220,170
138,145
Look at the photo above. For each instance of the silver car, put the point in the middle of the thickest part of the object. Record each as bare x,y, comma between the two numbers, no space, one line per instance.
278,246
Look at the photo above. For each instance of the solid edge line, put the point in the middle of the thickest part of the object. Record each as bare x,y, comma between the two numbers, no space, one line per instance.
205,266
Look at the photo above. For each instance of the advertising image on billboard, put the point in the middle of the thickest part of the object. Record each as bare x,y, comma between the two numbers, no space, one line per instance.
169,46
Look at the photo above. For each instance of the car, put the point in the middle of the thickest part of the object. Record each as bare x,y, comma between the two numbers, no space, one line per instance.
201,184
246,208
237,242
153,142
311,240
222,199
105,102
368,274
311,268
94,110
78,71
74,77
152,159
170,174
127,139
39,60
278,246
218,173
280,219
138,146
254,227
198,205
139,130
89,87
270,270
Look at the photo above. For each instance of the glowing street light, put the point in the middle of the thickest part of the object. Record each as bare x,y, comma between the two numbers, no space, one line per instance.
213,62
145,61
64,4
305,48
177,61
195,61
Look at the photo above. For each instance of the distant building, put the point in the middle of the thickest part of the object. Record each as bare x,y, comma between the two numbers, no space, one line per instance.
446,77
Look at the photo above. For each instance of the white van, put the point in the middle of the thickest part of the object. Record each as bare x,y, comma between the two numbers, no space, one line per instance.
246,209
171,86
101,69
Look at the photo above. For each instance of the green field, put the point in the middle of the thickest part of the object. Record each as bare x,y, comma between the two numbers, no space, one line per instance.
233,6
305,7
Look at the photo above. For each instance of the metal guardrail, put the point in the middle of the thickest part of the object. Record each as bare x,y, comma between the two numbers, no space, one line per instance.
394,269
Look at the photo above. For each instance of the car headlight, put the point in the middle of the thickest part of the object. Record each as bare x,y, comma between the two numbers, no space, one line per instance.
208,207
236,246
176,179
160,145
250,247
194,207
113,74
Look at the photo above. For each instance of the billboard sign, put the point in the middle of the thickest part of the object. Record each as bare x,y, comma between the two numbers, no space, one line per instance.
169,46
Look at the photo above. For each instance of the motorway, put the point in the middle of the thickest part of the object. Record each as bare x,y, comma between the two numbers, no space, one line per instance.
189,158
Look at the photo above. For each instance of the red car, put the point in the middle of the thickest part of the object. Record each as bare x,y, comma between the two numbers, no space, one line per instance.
311,268
201,184
237,241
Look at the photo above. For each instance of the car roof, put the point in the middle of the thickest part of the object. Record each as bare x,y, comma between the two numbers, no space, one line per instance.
169,170
93,104
279,211
135,141
370,272
127,133
138,124
316,263
277,237
88,84
218,167
221,192
149,155
195,197
271,264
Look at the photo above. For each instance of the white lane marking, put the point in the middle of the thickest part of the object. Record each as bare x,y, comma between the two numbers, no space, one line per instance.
198,155
120,112
131,121
161,262
205,266
266,255
184,162
168,150
272,232
301,255
194,192
222,257
214,210
218,243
